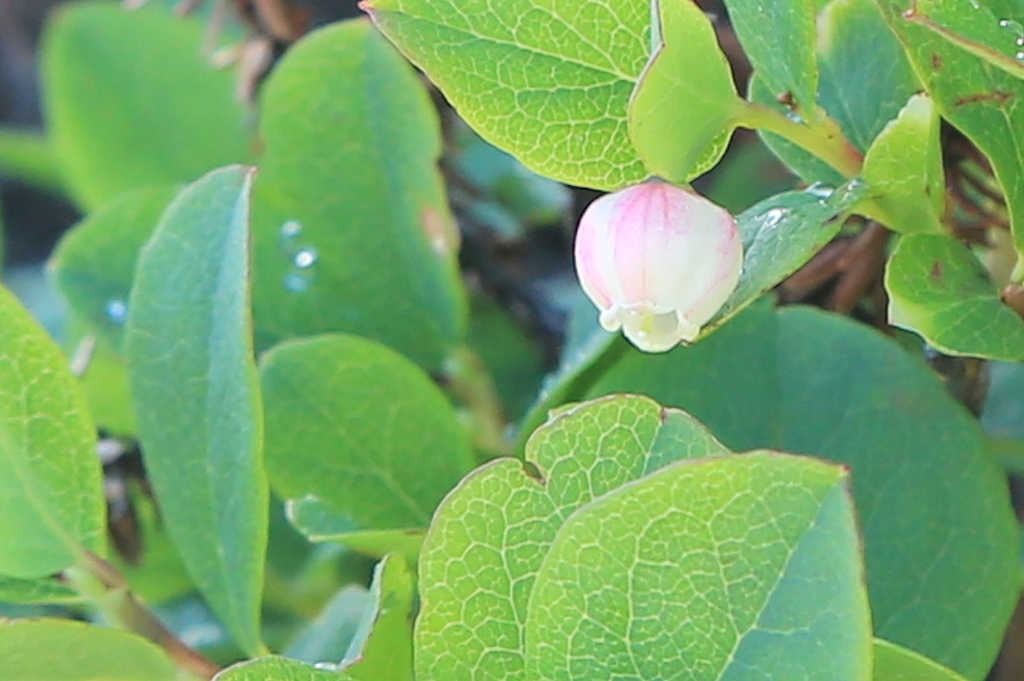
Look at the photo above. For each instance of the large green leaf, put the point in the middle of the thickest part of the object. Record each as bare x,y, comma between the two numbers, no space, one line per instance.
51,497
684,107
278,669
61,650
95,262
489,536
779,235
939,289
903,167
786,65
549,82
196,391
362,430
981,100
382,649
352,229
895,663
745,567
150,63
805,381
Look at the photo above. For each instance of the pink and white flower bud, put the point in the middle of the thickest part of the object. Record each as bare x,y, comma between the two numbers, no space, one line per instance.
658,261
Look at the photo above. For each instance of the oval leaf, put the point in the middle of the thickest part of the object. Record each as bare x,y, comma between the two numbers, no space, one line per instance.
352,231
684,107
938,289
61,650
707,569
149,62
548,82
51,496
196,392
903,167
362,430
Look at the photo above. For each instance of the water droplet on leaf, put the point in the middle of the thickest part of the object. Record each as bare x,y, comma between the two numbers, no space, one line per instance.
771,218
305,258
117,310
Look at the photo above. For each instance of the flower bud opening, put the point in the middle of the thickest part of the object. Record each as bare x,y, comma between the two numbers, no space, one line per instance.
658,261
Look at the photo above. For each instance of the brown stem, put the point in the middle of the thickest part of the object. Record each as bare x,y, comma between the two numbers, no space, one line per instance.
861,267
822,267
115,599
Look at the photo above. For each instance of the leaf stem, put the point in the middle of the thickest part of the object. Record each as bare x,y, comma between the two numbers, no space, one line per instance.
104,586
470,382
27,156
823,139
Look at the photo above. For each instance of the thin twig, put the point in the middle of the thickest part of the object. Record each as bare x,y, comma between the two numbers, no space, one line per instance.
861,265
112,595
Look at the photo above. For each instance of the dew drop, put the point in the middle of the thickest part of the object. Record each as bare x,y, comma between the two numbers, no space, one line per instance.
820,190
305,258
289,232
298,281
1020,42
1020,56
771,218
117,311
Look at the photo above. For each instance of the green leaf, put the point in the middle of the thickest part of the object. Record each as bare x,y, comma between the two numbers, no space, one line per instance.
51,497
13,590
327,637
278,669
382,649
381,453
61,650
865,76
975,30
779,235
373,254
149,62
981,100
938,289
548,82
740,567
865,79
196,390
489,536
805,381
679,142
895,663
903,167
784,65
319,522
94,263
